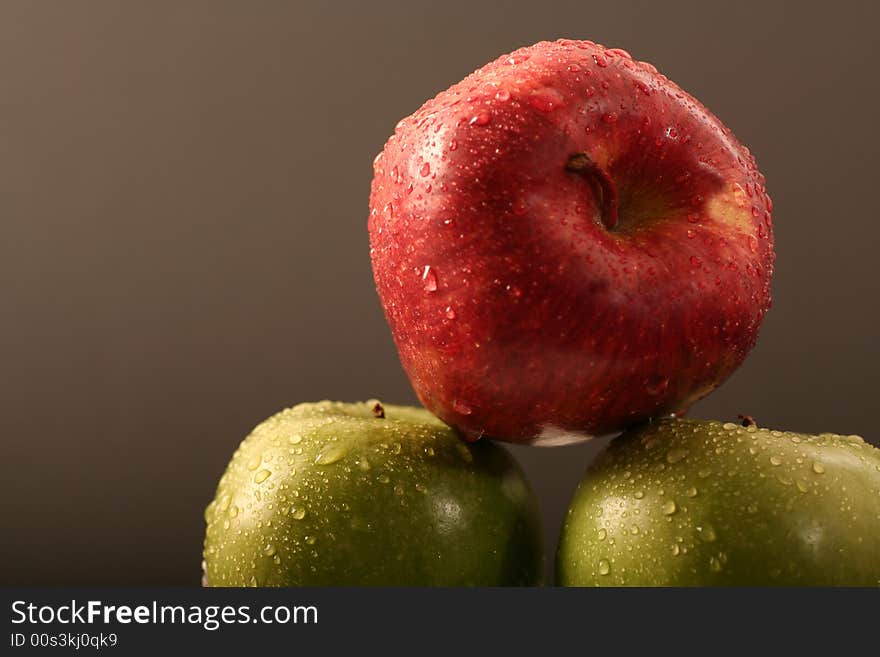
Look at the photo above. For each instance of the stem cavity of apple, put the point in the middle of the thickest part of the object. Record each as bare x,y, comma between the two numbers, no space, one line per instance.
603,186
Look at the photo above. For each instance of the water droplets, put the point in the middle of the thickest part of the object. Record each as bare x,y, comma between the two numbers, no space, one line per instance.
464,452
262,476
545,100
675,455
330,454
818,468
482,118
461,407
669,507
656,386
429,279
707,533
425,170
604,567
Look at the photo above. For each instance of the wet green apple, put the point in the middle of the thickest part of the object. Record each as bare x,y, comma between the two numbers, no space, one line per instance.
700,503
333,494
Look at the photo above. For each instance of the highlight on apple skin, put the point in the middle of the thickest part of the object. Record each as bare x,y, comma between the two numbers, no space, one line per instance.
701,503
566,243
365,494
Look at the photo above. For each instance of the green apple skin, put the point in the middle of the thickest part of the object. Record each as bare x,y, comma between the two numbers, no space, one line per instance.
329,494
701,503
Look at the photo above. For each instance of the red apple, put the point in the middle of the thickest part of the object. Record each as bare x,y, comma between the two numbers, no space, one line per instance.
565,243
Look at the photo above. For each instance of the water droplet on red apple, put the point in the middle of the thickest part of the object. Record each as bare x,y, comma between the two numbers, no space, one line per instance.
429,279
601,60
503,95
656,386
450,312
453,145
691,233
483,118
461,408
425,169
694,218
610,117
753,244
695,261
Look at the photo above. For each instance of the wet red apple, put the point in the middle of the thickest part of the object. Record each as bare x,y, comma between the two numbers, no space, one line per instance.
565,243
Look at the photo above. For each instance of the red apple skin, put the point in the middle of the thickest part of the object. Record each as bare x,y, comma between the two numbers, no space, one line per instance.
566,243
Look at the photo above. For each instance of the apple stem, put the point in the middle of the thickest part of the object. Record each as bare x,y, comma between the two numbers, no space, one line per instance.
603,186
747,420
379,410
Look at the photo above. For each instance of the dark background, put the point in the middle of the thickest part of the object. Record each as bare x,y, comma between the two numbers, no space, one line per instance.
183,198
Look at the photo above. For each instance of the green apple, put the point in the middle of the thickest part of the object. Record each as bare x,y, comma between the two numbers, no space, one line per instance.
700,503
333,494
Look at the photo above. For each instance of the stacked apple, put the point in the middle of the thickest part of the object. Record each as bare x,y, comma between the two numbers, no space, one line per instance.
565,245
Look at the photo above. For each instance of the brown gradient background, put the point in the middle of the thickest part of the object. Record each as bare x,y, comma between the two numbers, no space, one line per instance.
183,197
